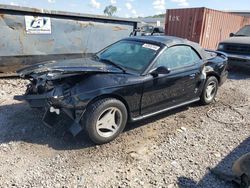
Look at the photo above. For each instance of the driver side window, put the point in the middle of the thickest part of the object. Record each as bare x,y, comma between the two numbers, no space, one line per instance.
177,57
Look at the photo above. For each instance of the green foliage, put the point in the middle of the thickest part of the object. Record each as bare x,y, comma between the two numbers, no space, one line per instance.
157,16
110,10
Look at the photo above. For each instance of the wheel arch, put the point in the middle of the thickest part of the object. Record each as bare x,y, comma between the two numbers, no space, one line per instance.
115,96
209,74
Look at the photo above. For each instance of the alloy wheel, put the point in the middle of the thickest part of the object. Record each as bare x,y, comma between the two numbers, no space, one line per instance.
109,122
211,90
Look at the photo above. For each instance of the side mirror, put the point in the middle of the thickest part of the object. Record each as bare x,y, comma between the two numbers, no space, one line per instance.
231,35
160,70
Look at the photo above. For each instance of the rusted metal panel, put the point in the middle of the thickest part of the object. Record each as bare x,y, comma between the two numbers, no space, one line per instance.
185,23
218,25
70,34
205,26
246,20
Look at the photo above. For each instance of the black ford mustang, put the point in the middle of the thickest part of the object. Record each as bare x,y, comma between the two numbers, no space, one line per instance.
134,78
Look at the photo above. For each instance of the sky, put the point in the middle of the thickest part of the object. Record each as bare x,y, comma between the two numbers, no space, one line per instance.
129,8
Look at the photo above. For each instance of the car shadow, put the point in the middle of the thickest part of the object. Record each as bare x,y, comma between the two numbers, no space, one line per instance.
239,74
134,125
222,173
19,122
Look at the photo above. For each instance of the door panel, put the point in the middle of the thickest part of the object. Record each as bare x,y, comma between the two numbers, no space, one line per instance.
168,90
180,85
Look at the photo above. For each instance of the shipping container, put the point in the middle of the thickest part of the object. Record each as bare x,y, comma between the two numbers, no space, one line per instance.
30,35
246,21
202,25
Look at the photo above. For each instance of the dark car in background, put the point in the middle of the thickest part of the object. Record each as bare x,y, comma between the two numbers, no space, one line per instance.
237,47
147,30
132,79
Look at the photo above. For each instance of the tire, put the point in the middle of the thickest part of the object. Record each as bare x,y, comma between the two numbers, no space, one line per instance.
205,97
105,119
245,181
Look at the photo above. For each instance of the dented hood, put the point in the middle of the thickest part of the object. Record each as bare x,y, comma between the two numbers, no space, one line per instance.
68,67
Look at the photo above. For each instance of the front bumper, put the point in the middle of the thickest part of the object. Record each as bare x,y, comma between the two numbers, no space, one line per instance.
56,114
239,60
35,101
71,119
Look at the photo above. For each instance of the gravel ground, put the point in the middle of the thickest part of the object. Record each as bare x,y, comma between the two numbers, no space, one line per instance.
176,149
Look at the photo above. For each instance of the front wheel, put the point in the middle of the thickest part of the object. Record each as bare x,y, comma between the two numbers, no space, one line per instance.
105,120
210,90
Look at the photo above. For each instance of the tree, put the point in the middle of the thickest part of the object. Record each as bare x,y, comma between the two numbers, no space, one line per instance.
110,10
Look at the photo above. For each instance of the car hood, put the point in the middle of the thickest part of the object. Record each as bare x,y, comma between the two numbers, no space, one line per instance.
237,40
68,67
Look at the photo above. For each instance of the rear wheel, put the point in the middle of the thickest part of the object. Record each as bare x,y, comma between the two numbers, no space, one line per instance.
210,90
105,120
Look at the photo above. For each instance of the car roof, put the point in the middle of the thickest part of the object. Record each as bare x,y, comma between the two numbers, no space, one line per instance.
164,40
169,41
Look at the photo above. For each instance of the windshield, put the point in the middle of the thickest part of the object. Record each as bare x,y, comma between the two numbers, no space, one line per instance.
245,31
132,55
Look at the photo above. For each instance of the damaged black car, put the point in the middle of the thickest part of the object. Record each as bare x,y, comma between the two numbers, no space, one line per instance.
130,80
